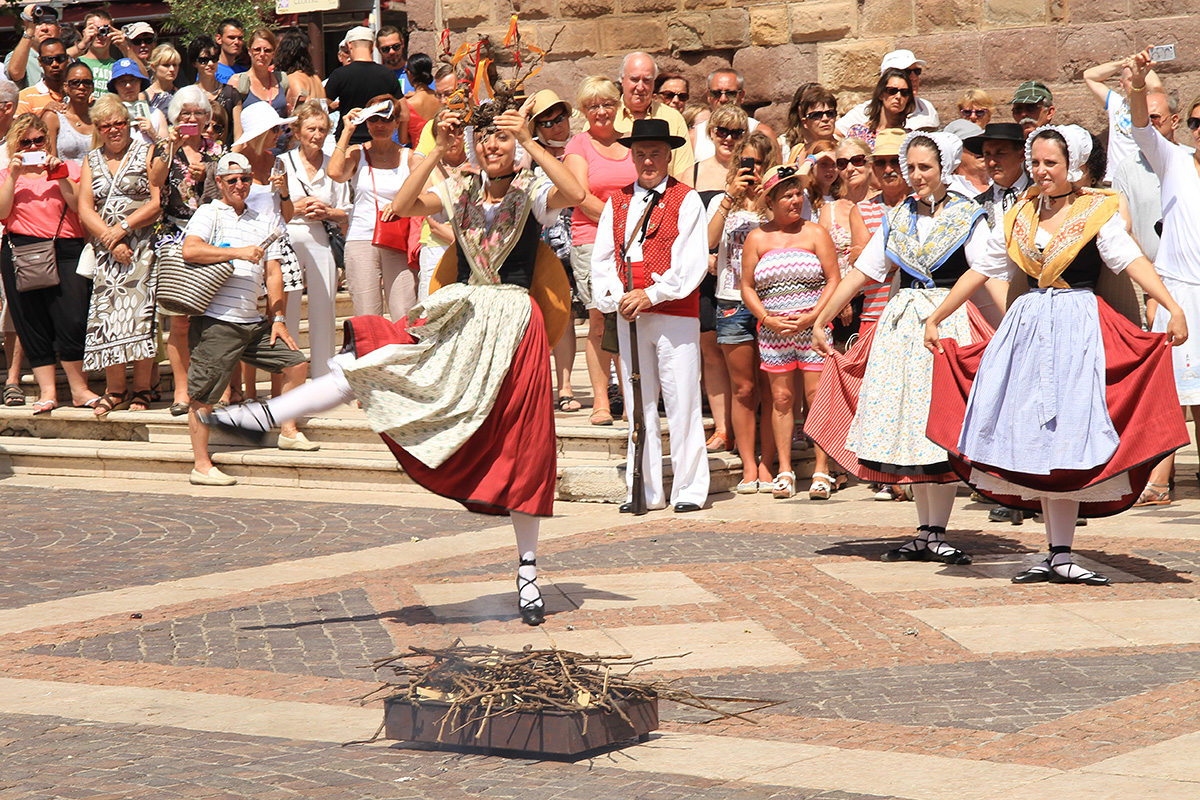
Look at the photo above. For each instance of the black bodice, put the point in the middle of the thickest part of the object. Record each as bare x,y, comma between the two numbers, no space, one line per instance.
517,269
1084,271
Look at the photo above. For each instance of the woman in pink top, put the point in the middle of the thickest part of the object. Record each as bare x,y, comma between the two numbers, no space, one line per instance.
39,202
603,166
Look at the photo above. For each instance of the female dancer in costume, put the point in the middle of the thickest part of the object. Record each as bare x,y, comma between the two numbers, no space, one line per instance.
463,399
872,404
1070,405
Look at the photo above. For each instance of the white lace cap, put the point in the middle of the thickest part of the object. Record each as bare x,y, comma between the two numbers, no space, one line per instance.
949,149
1079,148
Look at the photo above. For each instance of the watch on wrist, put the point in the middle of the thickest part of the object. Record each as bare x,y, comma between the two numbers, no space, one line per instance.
278,318
285,197
125,225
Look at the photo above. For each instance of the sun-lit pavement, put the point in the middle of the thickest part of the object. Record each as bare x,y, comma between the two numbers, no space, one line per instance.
212,644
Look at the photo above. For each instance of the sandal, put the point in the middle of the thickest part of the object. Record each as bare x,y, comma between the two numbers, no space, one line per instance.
785,486
13,396
1159,495
821,488
111,401
141,400
156,393
747,487
568,404
601,416
716,443
43,407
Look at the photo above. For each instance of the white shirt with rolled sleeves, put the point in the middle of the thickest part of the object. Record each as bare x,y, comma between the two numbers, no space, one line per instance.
218,224
1117,249
1178,253
668,347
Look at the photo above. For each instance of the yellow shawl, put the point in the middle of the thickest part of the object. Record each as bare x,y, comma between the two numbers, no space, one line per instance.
1087,215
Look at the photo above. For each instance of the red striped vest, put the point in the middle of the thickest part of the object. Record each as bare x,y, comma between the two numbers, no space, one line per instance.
661,233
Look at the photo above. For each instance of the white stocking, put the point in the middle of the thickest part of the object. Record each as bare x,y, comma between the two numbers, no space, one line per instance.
526,528
1061,516
322,394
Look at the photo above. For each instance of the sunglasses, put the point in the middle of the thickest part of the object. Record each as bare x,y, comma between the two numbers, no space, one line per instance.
219,130
1193,123
857,161
723,92
604,105
972,113
391,48
829,113
914,71
262,51
546,124
61,58
38,142
728,133
887,161
81,83
892,91
147,39
113,126
237,180
680,96
204,61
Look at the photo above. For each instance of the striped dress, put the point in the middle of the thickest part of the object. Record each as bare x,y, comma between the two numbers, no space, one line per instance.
875,293
788,281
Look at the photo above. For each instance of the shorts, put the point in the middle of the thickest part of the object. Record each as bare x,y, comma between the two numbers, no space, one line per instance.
217,346
735,323
581,265
708,304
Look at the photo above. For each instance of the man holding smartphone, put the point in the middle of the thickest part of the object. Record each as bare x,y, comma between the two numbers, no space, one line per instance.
231,328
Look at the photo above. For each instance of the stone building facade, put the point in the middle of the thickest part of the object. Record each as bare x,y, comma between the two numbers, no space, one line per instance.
990,44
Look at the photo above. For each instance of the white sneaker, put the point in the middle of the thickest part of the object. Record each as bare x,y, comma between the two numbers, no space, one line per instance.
214,477
298,442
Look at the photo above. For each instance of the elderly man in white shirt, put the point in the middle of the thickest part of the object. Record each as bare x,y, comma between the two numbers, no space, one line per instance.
231,328
658,227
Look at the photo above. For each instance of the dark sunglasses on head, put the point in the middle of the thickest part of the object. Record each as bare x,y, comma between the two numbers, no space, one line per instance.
894,90
203,61
81,83
546,124
728,133
37,142
857,161
680,96
391,48
1193,123
237,179
61,58
829,113
886,161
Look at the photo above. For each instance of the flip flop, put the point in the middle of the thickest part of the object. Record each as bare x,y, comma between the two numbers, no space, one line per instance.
43,407
89,404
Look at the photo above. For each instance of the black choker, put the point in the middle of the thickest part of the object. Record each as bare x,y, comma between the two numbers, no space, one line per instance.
1060,196
502,177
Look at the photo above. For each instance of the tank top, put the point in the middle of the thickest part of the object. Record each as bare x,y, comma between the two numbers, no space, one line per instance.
386,181
72,145
789,279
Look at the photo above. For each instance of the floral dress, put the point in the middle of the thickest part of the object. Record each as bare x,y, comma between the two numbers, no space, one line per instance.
121,320
183,194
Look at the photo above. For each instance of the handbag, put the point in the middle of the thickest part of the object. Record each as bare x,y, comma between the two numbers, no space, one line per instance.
392,234
35,262
186,289
337,239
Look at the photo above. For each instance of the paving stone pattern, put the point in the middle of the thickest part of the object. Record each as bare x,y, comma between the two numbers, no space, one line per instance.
48,757
333,636
1000,696
60,543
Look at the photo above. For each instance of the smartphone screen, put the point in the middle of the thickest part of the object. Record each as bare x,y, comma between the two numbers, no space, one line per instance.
1162,52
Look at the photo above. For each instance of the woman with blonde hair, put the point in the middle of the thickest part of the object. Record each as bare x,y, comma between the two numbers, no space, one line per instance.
164,71
320,206
976,105
118,205
260,83
603,165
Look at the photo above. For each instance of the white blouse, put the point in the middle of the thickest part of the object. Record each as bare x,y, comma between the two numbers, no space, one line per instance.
321,186
1117,249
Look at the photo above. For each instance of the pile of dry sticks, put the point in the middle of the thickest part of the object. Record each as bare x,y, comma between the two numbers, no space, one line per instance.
498,682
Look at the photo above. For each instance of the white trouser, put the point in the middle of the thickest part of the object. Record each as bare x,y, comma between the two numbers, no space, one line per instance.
311,244
669,360
429,257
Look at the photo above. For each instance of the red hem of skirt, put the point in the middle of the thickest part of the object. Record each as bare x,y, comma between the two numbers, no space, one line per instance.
1141,399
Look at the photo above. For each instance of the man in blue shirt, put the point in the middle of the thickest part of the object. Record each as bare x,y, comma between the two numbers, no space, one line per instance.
231,40
390,42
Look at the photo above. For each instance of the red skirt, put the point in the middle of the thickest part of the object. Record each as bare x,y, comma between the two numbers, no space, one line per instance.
836,403
511,462
1141,400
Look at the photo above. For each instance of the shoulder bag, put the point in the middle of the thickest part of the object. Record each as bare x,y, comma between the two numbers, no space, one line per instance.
393,234
337,239
86,267
34,261
186,289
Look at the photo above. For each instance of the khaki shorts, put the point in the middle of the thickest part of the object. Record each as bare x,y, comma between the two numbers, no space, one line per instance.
217,346
581,265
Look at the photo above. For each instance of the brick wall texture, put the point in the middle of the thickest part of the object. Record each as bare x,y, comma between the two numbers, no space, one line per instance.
989,44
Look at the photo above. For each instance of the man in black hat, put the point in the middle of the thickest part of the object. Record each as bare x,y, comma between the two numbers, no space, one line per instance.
653,236
1003,147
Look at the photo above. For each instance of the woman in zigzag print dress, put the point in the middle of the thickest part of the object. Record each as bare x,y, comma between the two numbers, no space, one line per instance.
789,271
872,404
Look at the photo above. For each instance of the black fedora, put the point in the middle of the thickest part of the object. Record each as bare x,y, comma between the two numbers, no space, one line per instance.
652,130
999,132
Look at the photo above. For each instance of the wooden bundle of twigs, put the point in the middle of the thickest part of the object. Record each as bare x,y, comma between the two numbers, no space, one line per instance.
490,682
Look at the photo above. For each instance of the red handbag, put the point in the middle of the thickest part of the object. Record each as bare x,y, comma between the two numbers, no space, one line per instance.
392,234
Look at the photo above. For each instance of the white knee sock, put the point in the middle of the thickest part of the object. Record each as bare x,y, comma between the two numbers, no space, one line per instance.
314,397
526,528
941,502
1061,516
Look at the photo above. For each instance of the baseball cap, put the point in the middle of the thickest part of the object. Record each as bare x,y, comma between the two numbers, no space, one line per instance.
127,66
1033,92
900,59
137,29
360,33
967,131
887,142
231,164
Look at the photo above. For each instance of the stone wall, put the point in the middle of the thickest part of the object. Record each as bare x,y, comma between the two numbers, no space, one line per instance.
990,44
